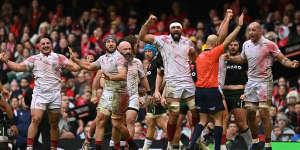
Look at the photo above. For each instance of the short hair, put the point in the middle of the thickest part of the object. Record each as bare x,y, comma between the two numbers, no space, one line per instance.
47,37
131,39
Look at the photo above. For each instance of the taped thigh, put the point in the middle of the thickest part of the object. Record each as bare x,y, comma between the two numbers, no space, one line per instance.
251,106
264,105
174,106
191,104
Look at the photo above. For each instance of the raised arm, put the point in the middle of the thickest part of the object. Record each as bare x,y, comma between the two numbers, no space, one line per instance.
12,65
81,63
236,59
287,62
234,33
72,66
223,30
143,36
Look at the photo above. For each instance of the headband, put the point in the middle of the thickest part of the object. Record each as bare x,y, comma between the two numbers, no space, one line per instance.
175,24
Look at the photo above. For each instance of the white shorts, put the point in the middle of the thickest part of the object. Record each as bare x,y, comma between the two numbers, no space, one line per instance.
180,90
134,103
113,103
258,91
47,100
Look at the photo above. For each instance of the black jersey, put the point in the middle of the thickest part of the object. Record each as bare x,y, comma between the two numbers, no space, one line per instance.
236,74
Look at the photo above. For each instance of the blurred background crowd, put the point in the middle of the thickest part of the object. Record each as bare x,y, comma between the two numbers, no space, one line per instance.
82,25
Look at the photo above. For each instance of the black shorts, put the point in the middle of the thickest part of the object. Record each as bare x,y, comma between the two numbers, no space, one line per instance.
208,100
233,99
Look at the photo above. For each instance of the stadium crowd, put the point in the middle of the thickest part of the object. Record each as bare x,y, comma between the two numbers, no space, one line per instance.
23,25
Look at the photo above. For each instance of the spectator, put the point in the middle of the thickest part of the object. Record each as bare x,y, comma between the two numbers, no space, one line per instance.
63,48
296,118
283,34
280,98
23,119
55,42
3,35
296,137
16,27
273,114
14,103
132,26
86,45
294,37
139,131
283,123
74,43
235,140
276,134
161,28
187,30
272,36
19,53
281,81
177,13
292,99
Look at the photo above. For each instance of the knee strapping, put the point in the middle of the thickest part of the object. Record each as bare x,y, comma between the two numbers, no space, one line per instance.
251,106
191,104
264,105
174,106
104,111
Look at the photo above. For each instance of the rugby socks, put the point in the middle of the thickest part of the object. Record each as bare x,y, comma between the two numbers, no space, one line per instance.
197,132
223,140
218,136
117,146
111,143
147,143
54,144
255,138
29,142
98,145
171,128
246,134
268,142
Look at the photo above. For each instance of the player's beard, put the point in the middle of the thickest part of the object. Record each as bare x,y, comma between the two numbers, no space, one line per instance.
128,57
110,50
176,38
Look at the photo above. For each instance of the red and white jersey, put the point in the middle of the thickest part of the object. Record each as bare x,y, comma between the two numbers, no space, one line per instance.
135,72
260,57
110,64
47,71
175,57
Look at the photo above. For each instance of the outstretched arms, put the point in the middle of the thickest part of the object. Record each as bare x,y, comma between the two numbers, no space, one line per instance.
12,65
82,64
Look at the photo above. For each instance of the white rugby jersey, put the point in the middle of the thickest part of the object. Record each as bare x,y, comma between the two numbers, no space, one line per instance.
47,71
260,57
135,72
109,63
175,57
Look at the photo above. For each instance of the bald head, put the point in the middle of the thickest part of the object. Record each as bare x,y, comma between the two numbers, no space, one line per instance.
124,44
254,31
211,41
126,50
